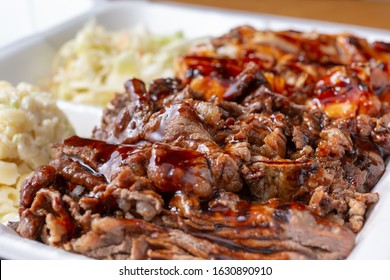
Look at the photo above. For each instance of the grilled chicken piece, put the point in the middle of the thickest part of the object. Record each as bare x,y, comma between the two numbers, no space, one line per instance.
342,73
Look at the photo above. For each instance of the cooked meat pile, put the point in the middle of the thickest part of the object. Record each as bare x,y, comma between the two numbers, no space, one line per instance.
266,147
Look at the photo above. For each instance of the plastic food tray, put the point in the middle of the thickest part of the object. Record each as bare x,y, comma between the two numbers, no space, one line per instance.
30,59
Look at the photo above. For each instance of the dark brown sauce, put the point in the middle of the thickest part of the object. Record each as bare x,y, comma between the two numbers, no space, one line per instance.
162,88
381,46
103,149
246,217
231,244
136,90
335,88
250,215
247,81
174,166
177,158
207,66
167,115
116,158
108,156
284,162
380,80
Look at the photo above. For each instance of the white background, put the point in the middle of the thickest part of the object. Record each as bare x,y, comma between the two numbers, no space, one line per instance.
281,270
20,18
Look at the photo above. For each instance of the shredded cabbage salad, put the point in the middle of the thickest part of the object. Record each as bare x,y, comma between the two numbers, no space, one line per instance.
95,64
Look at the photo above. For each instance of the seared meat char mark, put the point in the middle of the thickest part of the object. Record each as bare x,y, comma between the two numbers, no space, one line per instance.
162,90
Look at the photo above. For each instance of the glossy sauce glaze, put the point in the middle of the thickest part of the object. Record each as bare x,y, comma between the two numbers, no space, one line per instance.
172,169
268,140
108,156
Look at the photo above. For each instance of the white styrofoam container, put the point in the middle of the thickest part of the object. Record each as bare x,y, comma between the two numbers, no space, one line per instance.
30,59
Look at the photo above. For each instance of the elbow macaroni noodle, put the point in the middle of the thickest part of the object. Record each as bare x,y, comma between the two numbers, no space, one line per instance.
30,122
8,202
